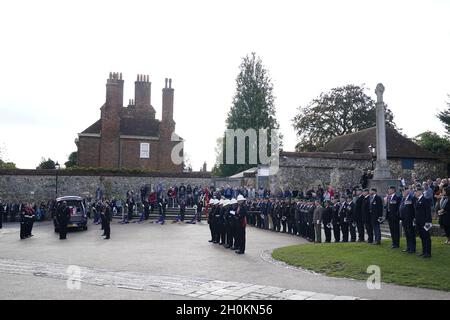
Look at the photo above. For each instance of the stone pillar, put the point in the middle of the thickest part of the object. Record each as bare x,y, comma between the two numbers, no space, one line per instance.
381,167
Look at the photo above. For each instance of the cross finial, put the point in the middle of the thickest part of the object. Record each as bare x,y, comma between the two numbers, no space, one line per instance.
379,92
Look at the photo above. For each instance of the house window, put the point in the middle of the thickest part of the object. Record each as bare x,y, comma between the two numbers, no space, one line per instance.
407,164
145,150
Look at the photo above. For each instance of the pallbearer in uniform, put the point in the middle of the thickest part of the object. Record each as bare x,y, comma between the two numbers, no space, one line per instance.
241,213
393,216
407,217
343,221
423,221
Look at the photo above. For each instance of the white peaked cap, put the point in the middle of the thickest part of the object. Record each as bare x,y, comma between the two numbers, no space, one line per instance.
211,201
240,198
216,201
233,201
226,202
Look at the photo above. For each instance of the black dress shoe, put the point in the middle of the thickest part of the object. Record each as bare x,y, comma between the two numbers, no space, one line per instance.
226,246
426,256
420,254
239,252
377,243
406,251
234,248
395,247
107,238
210,241
411,251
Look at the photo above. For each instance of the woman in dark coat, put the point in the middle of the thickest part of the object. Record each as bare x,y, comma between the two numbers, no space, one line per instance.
443,209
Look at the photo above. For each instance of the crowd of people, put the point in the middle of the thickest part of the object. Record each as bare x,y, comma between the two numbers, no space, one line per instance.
344,215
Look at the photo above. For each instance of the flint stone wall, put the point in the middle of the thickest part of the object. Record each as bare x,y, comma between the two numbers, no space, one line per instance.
40,185
305,170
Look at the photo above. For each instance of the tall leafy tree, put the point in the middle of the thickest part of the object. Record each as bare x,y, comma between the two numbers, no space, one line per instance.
444,116
72,161
46,164
340,111
4,164
253,108
434,143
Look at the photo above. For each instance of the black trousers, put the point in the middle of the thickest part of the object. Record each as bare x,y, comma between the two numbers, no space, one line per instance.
222,232
63,230
447,231
337,232
394,228
327,233
241,238
211,229
425,238
29,227
229,234
352,229
277,224
344,229
360,226
284,223
311,232
410,235
107,229
23,230
369,230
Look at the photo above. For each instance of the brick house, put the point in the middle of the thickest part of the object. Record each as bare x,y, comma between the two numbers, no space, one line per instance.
130,137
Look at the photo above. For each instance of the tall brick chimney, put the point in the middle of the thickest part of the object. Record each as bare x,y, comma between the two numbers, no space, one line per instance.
142,91
167,103
110,122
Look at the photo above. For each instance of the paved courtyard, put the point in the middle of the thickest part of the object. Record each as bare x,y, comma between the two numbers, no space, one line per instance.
174,261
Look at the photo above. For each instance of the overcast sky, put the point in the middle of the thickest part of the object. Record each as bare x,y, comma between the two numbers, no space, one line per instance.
55,57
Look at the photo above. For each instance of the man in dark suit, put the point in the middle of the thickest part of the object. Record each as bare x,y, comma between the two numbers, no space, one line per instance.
63,217
343,221
422,210
107,220
407,217
358,216
393,216
376,214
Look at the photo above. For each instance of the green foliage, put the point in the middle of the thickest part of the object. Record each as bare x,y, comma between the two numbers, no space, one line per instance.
72,161
340,111
46,164
434,143
444,116
350,260
7,165
253,108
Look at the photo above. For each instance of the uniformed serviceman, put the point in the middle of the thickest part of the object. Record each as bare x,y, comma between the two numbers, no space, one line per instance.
210,219
350,214
376,214
423,220
23,225
229,225
232,240
310,221
393,216
343,220
63,217
30,217
358,216
216,220
317,221
107,218
277,216
284,215
1,214
327,217
336,220
407,217
241,212
223,217
365,208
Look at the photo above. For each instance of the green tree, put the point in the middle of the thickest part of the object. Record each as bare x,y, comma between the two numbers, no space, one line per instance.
72,160
253,107
340,111
4,164
434,143
444,116
46,164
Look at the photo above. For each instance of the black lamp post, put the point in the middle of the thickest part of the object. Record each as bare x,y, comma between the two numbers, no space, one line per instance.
372,152
57,166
